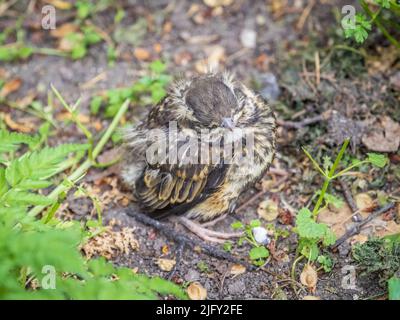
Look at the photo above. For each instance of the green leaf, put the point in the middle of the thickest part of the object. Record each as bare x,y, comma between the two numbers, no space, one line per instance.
326,263
237,225
255,223
309,249
378,160
258,253
14,197
331,199
309,229
3,182
95,104
10,141
157,66
383,3
394,288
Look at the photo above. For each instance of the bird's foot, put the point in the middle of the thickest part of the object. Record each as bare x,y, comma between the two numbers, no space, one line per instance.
207,234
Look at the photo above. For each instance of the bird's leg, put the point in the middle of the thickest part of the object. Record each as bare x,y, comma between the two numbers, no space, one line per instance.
206,234
215,221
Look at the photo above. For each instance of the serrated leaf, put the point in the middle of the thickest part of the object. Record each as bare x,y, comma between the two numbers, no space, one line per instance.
3,182
10,141
34,184
41,164
309,229
26,198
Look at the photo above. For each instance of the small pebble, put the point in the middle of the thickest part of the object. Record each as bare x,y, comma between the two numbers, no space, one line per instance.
260,235
248,38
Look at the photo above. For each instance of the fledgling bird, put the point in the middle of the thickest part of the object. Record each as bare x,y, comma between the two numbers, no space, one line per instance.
199,190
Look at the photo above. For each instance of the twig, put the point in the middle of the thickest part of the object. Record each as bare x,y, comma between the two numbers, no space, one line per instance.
188,241
179,252
300,124
357,228
304,15
350,201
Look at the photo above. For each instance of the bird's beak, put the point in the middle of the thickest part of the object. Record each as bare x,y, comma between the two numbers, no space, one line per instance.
227,123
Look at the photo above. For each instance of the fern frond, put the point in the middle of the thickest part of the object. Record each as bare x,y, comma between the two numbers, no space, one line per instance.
39,165
10,141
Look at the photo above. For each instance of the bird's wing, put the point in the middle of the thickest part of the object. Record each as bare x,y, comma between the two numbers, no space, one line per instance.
172,189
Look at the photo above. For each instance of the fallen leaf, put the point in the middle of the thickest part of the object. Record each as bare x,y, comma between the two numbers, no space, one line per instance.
268,210
63,30
10,86
59,4
311,298
364,203
141,54
165,264
336,219
26,126
237,269
309,277
384,136
157,47
285,216
196,291
217,3
62,116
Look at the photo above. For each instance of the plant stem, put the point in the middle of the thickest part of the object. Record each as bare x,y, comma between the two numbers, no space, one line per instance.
49,52
379,24
84,167
329,177
293,272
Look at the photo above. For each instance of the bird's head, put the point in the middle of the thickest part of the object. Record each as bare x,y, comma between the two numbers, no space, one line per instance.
215,101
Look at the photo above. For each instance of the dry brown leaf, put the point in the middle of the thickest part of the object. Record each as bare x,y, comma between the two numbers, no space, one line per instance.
196,291
10,86
237,269
25,126
365,203
157,47
63,30
27,100
309,277
268,210
59,4
336,219
166,264
217,3
311,298
62,116
384,136
141,54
